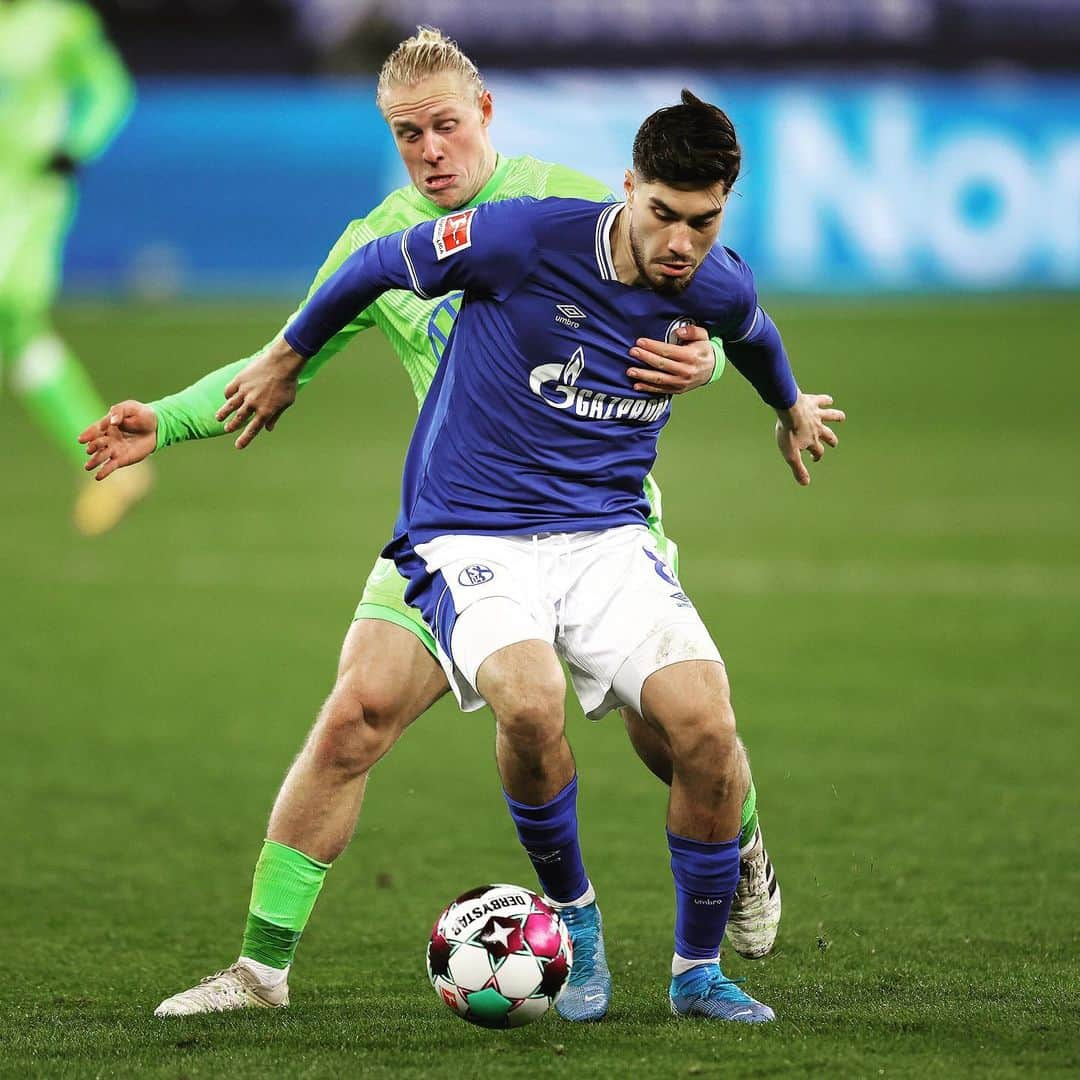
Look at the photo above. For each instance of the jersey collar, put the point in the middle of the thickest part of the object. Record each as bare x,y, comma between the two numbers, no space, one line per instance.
604,259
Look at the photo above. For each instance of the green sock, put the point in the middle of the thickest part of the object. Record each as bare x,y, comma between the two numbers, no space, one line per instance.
283,892
749,816
57,392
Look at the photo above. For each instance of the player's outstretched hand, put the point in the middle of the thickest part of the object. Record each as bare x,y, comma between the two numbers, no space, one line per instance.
126,434
674,369
261,392
804,428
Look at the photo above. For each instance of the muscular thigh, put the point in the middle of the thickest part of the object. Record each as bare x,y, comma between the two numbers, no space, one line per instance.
523,677
389,669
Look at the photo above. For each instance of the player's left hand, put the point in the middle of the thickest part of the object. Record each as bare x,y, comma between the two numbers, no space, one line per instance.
674,369
805,428
261,392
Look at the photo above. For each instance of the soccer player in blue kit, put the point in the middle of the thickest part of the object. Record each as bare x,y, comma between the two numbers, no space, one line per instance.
522,532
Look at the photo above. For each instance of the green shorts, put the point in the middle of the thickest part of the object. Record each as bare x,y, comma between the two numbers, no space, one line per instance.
384,598
384,590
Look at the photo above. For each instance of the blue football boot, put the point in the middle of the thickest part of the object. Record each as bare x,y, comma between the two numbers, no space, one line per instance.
588,992
704,991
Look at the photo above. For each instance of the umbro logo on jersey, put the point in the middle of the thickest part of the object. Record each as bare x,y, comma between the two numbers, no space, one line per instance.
453,233
569,315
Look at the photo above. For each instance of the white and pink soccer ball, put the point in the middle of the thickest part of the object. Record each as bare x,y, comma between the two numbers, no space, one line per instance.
499,956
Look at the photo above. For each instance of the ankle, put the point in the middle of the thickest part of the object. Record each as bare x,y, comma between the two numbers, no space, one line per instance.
268,976
584,900
680,965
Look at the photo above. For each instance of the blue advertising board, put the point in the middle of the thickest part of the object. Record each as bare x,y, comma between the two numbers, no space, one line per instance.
235,186
909,184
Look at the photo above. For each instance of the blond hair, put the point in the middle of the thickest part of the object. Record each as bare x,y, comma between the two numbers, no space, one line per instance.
428,52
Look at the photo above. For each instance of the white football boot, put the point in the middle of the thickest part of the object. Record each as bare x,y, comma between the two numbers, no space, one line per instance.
237,987
755,911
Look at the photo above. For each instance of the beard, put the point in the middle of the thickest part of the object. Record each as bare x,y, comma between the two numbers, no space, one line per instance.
663,285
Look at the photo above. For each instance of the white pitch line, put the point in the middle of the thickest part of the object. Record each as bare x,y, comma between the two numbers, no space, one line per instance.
753,577
760,576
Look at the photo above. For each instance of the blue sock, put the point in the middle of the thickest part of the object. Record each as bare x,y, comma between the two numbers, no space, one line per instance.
549,834
705,879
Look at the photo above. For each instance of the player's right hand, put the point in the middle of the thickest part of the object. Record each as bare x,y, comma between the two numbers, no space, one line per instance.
126,434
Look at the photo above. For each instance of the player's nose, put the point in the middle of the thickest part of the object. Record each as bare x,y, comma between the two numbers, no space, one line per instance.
680,242
433,148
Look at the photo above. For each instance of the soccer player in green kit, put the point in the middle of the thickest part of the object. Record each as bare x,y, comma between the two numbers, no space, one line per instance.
64,93
438,112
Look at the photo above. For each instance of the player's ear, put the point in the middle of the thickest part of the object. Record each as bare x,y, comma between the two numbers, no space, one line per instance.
487,108
628,185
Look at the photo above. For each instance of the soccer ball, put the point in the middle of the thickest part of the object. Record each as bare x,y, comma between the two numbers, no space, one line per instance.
499,956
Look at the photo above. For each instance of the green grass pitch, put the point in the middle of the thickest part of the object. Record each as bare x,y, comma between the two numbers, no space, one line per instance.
902,639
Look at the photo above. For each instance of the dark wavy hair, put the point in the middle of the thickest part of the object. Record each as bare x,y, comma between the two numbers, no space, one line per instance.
688,145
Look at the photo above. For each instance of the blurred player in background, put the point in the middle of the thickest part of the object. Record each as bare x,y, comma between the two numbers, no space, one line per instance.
64,94
439,114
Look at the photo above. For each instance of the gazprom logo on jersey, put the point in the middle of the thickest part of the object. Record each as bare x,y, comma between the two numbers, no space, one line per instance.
556,385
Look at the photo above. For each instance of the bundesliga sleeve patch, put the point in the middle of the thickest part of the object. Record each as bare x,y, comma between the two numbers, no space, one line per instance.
453,233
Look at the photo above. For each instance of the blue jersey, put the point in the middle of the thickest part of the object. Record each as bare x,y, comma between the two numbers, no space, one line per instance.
531,424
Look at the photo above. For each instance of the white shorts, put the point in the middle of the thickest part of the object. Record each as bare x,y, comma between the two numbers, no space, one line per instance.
606,601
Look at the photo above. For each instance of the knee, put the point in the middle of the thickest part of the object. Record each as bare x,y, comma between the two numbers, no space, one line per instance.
360,721
702,731
707,738
533,712
526,689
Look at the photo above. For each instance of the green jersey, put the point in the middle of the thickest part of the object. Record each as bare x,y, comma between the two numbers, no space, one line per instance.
63,89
